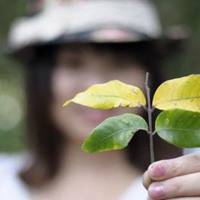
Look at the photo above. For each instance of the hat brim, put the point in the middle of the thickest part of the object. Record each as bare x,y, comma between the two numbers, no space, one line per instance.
95,21
70,19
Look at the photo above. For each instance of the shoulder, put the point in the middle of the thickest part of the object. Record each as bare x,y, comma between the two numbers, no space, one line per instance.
11,187
191,150
135,191
11,162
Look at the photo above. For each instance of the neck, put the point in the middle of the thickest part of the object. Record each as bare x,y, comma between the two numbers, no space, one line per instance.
109,172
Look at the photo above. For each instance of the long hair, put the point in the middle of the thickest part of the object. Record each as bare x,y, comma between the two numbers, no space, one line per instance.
45,140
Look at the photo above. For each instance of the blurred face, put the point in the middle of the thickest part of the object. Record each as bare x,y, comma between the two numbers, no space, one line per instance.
77,68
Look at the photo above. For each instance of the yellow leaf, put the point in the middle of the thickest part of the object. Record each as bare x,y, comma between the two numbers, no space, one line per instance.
183,93
110,95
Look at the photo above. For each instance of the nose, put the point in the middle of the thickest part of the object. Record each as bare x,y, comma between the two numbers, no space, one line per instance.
95,77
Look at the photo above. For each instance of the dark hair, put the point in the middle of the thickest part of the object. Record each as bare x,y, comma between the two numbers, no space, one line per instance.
44,139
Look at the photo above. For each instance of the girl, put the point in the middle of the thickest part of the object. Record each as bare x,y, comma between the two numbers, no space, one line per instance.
68,46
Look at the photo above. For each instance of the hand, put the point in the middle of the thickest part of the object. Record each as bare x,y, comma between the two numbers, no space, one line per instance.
174,179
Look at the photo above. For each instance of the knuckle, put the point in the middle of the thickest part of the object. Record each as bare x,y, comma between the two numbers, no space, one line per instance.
174,167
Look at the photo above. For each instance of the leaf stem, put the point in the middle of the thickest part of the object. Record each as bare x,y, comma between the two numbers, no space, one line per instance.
149,111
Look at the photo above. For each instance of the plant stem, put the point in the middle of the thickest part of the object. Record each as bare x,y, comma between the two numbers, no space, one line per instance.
149,111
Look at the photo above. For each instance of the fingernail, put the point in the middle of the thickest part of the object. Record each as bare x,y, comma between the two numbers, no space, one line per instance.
158,170
156,191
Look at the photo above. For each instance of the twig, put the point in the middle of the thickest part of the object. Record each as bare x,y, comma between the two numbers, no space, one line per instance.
149,111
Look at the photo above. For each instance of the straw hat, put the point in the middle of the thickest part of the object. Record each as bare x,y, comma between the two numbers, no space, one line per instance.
88,21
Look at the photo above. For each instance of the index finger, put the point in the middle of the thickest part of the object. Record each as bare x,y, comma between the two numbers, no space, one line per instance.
166,169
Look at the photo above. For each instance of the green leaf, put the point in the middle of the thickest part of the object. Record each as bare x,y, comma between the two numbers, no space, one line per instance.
182,93
179,127
114,133
110,95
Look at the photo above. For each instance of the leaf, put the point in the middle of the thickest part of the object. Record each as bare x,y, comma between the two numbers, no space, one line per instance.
183,93
179,127
114,133
110,95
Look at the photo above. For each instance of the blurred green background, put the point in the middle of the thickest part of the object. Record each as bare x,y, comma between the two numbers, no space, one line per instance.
12,109
12,104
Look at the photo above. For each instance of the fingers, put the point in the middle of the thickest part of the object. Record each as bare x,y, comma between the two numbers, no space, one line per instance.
174,179
188,198
182,198
183,186
146,180
166,169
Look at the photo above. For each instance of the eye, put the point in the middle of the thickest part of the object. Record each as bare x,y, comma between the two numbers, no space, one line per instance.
70,62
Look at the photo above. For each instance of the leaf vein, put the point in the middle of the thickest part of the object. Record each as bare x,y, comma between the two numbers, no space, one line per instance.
116,132
178,129
178,99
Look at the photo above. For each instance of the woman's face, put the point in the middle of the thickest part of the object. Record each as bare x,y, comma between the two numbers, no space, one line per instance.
77,68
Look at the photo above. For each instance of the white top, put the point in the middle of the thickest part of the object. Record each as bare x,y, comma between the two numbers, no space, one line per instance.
12,188
135,191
